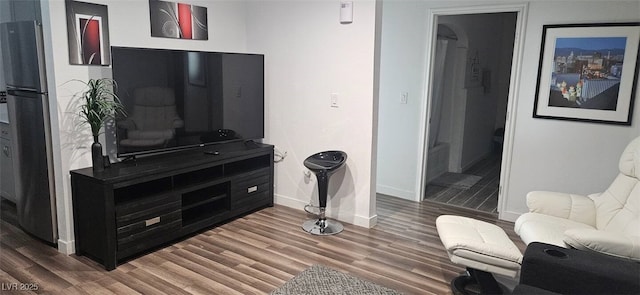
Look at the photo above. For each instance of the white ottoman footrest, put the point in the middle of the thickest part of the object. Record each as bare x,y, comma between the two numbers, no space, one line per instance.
479,245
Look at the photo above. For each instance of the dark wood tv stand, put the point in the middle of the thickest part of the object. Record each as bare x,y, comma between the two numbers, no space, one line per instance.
131,208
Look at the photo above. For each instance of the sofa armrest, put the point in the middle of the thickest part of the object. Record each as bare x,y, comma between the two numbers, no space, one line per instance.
128,124
572,271
569,206
606,242
178,123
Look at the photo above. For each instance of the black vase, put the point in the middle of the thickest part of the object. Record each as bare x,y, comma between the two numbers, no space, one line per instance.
96,157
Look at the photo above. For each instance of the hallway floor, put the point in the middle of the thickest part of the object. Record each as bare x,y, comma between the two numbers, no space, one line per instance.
483,196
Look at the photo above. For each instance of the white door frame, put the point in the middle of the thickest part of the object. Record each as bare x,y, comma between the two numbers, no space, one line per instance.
516,64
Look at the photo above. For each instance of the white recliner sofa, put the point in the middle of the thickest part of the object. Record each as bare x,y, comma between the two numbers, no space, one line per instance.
607,222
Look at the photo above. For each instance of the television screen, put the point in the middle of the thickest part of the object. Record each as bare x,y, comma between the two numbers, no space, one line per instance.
176,99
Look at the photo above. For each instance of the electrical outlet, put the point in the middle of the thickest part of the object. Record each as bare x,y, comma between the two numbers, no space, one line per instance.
404,97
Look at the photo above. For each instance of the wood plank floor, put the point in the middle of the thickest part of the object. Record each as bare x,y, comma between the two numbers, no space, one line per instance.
482,196
254,255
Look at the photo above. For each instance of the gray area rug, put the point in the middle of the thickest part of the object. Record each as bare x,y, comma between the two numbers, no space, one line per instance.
456,180
319,279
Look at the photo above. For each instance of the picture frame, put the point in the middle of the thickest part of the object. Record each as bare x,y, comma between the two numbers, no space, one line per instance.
178,20
473,74
588,72
88,33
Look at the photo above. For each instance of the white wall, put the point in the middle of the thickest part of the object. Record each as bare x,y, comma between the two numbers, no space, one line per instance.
128,26
401,70
547,154
557,155
308,56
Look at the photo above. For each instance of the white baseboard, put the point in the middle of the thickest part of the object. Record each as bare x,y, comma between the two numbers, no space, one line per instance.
509,216
66,247
289,202
395,192
367,222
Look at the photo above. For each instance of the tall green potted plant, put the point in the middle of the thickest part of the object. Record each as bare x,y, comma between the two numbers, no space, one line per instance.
100,104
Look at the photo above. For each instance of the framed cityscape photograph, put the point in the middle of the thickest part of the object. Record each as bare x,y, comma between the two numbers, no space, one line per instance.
587,72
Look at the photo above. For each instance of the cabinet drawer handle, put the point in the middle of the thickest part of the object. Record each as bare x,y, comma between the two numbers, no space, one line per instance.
252,189
152,221
5,150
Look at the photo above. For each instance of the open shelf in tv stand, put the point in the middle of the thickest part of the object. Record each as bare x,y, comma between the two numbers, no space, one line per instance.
131,208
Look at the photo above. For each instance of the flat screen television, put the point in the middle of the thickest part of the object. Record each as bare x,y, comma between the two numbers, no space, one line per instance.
176,99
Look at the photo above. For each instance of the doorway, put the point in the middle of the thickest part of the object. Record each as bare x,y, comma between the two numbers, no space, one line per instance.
470,90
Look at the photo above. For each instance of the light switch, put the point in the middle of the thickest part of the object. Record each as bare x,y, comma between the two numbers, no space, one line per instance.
346,12
404,97
334,100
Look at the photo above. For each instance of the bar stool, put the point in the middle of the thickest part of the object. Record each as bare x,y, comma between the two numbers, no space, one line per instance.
324,164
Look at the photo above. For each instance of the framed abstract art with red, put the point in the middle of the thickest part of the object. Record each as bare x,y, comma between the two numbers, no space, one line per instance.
178,20
88,33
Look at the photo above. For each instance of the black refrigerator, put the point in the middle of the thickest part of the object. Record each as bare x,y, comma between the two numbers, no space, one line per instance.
28,108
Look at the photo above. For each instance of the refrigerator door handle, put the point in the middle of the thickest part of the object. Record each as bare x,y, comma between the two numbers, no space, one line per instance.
42,66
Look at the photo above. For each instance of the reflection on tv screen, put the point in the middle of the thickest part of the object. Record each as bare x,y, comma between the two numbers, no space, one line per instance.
176,98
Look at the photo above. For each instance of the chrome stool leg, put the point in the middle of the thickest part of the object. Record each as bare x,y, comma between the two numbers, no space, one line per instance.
322,226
